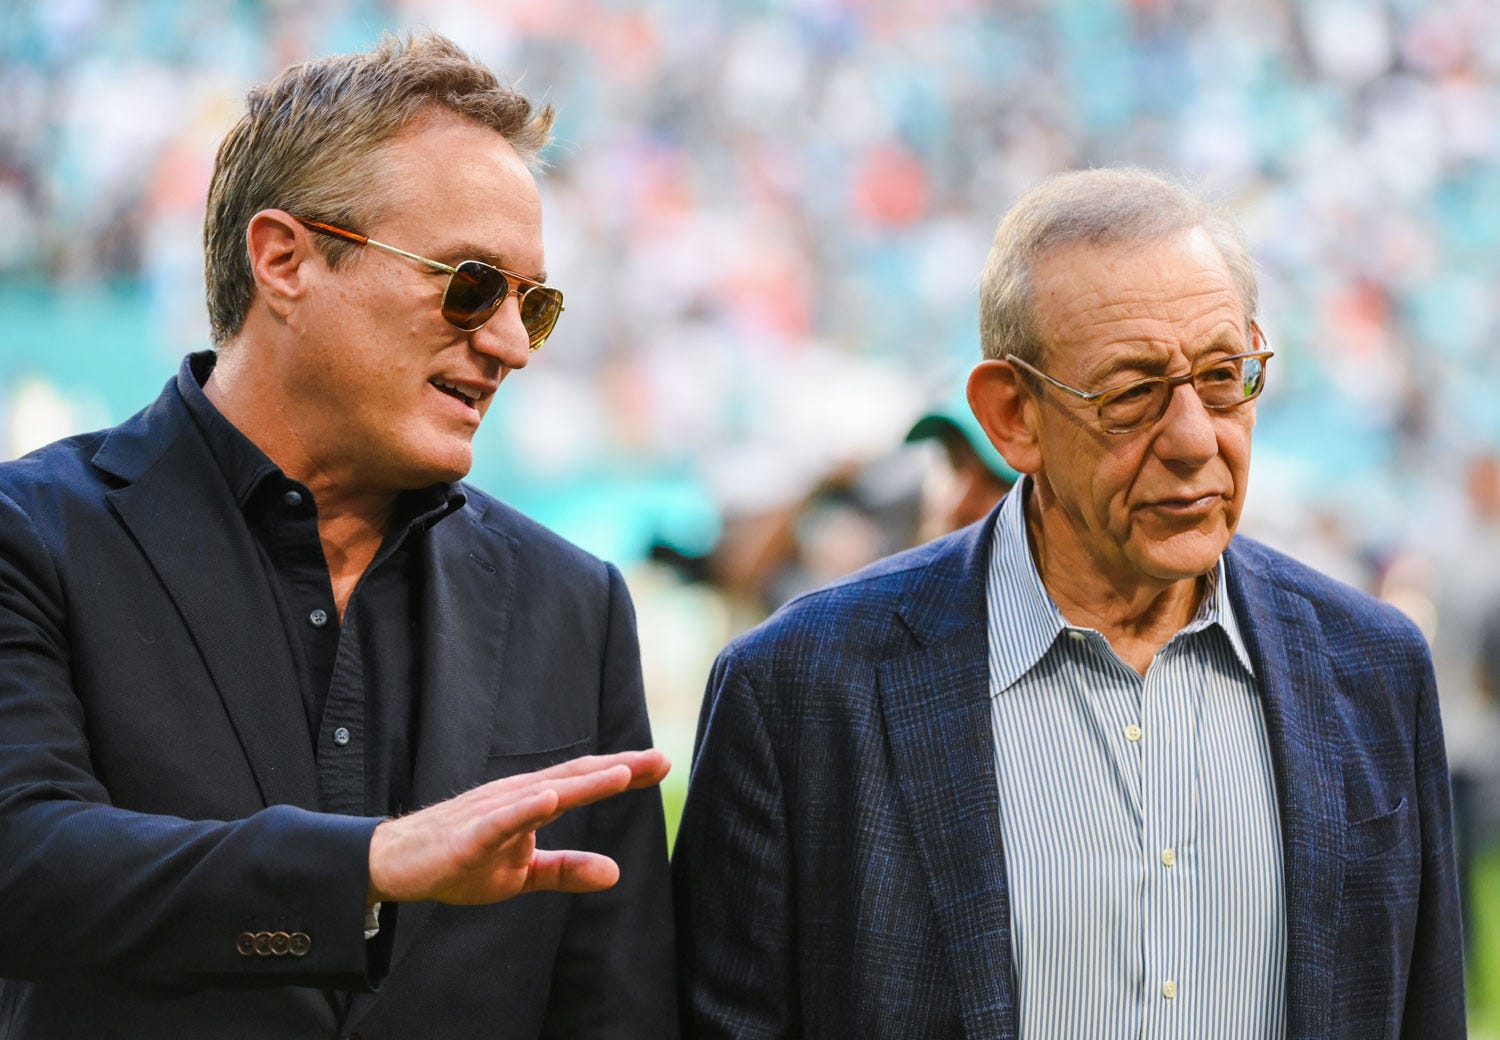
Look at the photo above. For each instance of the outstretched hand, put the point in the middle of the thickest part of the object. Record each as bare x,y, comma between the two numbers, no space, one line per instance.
480,847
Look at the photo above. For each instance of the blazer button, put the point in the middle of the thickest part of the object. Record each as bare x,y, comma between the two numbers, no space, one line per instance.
244,944
263,943
280,943
300,944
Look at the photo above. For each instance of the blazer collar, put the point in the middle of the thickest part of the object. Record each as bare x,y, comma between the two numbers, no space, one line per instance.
177,507
1285,640
935,702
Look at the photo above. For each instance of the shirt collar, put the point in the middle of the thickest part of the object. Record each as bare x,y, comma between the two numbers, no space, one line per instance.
243,464
248,470
1024,621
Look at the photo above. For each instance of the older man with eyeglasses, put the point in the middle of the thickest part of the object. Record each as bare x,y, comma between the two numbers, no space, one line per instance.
1093,767
300,736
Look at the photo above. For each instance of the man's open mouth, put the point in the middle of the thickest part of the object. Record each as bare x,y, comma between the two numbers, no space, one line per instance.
468,397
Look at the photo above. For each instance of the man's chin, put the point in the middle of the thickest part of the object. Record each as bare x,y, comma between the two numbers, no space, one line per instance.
1185,557
445,467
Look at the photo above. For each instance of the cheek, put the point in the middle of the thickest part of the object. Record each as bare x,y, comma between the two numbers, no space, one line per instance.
1234,449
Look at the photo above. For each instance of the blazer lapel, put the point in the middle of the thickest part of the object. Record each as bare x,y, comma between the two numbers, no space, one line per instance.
189,527
935,703
1285,642
467,595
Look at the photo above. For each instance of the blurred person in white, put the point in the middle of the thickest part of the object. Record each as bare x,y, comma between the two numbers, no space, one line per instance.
1094,766
300,731
1464,589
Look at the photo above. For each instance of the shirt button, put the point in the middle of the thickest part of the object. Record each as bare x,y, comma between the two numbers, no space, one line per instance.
318,618
1169,989
1076,635
1133,733
341,736
292,498
1168,857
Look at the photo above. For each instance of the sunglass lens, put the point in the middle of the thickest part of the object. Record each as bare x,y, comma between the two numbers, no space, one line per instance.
475,292
540,306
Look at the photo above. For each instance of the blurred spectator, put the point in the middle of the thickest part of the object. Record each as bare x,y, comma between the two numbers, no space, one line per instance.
964,482
1462,561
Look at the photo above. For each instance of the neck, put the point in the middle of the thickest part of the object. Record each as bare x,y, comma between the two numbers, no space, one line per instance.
352,520
1138,616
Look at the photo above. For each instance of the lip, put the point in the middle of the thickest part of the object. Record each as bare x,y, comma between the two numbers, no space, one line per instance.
470,410
1186,506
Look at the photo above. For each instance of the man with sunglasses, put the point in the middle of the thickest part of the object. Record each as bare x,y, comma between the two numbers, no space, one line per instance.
289,714
1094,766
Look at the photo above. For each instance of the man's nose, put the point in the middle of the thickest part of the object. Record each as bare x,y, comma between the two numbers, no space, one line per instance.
1187,429
504,336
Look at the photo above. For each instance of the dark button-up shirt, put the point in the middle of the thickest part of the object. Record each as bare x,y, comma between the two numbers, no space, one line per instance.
359,679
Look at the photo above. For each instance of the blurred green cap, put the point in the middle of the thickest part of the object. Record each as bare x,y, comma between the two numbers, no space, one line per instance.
954,414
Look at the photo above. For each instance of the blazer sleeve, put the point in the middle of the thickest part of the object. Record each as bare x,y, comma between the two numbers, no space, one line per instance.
1435,981
733,874
94,893
613,972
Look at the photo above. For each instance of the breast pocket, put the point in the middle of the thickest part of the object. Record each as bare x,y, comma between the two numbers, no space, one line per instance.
1378,835
513,763
570,829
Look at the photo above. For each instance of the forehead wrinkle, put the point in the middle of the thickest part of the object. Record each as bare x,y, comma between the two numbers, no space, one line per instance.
1142,328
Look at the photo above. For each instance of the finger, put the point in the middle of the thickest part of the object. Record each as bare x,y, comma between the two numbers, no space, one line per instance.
513,819
568,871
575,791
572,791
649,770
504,816
648,761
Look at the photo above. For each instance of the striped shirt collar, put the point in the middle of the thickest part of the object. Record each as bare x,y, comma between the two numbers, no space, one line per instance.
1015,592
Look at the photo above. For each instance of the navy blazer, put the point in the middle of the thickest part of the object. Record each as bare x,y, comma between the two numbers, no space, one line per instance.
158,794
838,870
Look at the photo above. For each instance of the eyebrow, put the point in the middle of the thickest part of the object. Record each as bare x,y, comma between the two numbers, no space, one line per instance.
467,251
1139,356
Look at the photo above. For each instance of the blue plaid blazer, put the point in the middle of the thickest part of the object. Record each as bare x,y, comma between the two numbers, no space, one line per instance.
838,869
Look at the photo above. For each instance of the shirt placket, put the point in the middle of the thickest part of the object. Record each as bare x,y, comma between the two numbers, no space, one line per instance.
1169,749
341,734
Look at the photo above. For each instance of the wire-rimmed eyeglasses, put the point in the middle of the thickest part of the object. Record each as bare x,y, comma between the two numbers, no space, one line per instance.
476,290
1222,383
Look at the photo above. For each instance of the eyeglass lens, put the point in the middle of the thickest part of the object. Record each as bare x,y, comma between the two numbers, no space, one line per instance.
1231,382
476,291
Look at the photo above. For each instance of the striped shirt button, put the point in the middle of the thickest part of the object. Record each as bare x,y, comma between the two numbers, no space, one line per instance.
1133,733
1076,635
1169,989
1168,857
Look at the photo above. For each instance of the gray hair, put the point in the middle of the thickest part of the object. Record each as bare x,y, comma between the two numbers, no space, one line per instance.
309,141
1121,204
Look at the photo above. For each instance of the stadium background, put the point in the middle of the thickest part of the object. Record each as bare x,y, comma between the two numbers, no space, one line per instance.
769,219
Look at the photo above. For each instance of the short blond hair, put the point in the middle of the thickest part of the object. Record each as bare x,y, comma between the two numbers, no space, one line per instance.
309,139
1105,206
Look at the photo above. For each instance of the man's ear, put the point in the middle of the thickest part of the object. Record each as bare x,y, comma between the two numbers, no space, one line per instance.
278,245
1006,411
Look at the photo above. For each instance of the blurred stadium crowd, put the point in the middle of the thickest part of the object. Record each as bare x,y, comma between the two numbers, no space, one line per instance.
769,217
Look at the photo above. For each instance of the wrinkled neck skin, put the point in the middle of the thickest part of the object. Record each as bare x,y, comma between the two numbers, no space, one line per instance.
1137,615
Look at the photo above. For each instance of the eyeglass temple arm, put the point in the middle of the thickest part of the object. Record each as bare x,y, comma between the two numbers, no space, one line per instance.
1061,386
333,231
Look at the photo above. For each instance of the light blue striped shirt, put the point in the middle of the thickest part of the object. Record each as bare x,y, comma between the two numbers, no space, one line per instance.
1138,818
